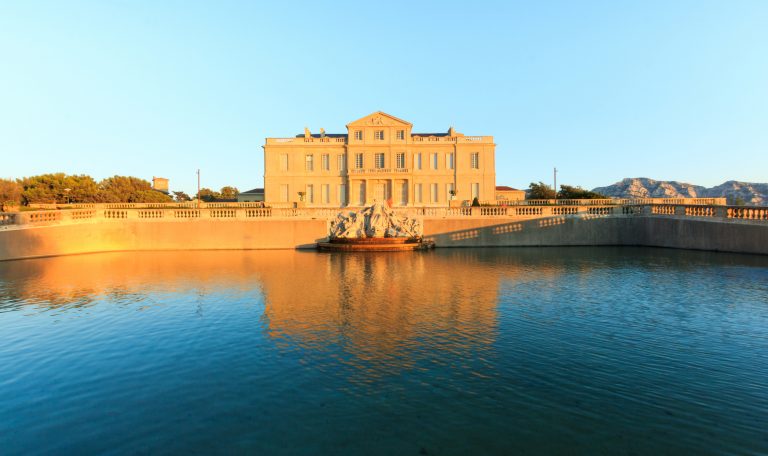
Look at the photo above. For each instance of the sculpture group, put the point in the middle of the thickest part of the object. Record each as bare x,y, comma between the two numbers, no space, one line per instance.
377,221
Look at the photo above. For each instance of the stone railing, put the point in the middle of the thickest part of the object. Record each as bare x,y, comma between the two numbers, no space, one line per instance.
503,203
148,214
604,202
310,140
188,204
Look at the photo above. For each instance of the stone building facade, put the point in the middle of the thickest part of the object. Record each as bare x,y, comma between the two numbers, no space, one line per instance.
379,159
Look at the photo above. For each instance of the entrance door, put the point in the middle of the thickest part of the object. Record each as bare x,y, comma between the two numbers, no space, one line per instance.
380,193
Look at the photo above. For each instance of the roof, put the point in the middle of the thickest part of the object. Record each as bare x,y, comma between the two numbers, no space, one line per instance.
327,135
255,190
378,118
507,189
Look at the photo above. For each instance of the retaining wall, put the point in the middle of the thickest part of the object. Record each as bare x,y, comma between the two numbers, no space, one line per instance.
703,233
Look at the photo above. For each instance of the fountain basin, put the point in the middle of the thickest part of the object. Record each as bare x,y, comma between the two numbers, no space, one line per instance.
374,244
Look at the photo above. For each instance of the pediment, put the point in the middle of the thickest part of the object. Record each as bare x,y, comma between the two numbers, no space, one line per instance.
379,118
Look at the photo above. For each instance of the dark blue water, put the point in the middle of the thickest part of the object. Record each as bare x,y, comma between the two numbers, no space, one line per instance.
494,351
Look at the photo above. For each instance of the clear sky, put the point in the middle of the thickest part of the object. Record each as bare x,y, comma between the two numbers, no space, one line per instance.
601,89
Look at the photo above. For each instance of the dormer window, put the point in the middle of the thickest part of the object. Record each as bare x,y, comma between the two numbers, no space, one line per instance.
359,135
378,135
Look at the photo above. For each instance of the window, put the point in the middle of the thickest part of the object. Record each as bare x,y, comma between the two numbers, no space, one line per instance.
283,193
434,161
378,135
310,163
283,162
475,160
433,193
449,160
359,135
310,193
359,161
449,191
343,194
401,134
379,162
475,190
342,162
361,195
417,193
417,161
400,159
325,193
326,162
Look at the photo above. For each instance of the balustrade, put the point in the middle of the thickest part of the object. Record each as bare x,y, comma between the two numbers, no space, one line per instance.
222,213
529,210
40,217
663,210
83,214
258,213
115,214
493,211
700,211
600,210
748,213
150,213
565,210
7,218
186,213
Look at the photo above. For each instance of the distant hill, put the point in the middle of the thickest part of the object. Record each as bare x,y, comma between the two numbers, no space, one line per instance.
642,187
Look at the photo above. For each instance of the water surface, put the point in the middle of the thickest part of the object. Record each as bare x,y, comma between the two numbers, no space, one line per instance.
467,351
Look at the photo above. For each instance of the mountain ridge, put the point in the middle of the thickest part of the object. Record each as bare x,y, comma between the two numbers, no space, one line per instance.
733,191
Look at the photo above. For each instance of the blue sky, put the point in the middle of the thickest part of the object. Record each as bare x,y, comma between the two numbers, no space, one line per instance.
602,90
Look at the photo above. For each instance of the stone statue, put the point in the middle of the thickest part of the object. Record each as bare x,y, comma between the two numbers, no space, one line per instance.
374,221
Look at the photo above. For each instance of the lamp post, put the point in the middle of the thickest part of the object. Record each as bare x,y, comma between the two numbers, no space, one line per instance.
555,187
66,191
198,188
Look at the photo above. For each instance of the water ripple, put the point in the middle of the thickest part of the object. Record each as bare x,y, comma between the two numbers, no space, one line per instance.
497,351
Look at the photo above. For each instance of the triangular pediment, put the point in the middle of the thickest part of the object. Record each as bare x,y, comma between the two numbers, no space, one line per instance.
379,118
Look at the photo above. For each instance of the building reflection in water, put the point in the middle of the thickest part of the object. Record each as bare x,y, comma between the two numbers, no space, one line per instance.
378,310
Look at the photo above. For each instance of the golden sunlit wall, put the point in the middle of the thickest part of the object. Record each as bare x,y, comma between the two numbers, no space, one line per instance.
379,159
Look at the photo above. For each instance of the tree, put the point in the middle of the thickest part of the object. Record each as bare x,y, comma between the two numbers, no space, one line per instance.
10,191
208,195
181,197
129,189
540,191
228,192
570,192
59,188
475,202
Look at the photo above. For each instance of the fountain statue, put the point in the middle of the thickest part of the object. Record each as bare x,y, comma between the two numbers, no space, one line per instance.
376,228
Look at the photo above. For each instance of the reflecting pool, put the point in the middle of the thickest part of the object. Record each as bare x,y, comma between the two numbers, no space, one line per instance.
459,351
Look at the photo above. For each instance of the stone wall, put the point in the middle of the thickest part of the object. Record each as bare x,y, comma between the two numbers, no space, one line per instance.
50,233
106,236
643,230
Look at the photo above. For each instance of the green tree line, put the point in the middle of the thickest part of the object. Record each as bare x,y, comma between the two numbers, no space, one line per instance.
62,188
544,191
